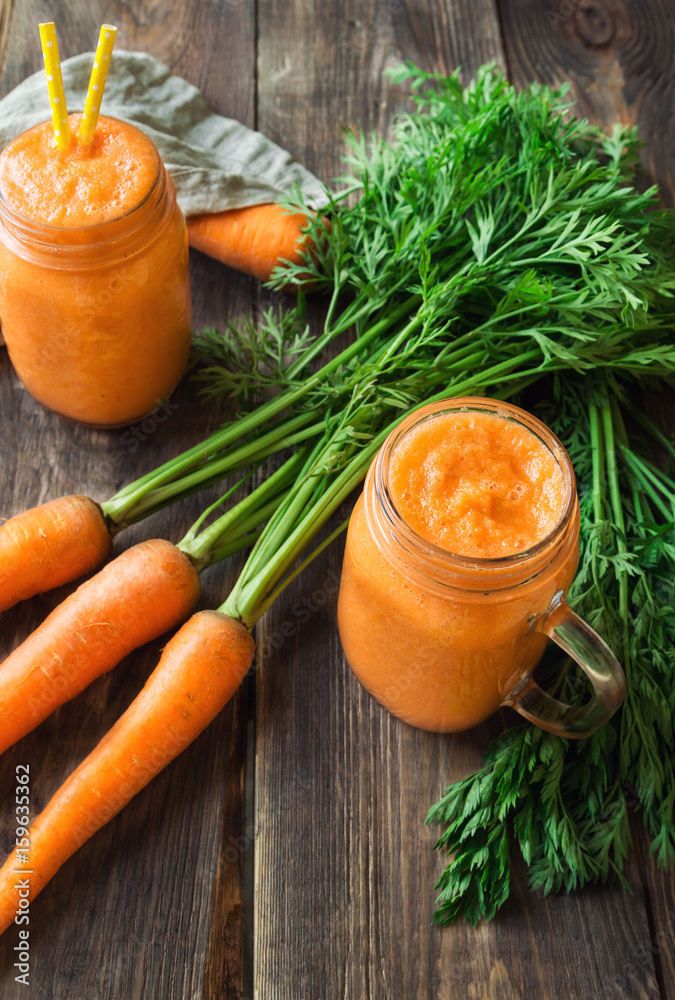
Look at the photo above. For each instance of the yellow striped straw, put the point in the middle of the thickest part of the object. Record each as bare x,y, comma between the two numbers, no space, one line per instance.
106,40
57,98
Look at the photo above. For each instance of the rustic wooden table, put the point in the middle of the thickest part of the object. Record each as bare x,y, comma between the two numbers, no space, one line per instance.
284,854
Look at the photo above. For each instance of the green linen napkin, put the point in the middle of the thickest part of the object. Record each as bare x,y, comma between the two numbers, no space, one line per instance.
216,163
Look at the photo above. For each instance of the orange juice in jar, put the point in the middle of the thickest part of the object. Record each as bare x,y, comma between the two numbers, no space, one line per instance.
94,282
459,554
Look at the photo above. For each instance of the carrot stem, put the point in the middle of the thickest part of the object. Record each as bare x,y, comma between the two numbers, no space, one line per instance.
149,498
127,504
202,547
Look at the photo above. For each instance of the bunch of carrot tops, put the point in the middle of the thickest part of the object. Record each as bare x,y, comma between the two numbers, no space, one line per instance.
493,245
570,263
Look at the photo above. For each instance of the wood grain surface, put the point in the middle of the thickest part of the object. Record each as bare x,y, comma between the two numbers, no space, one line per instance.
284,855
617,57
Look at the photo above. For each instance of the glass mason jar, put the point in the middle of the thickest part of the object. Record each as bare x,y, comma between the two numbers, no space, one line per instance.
443,640
97,319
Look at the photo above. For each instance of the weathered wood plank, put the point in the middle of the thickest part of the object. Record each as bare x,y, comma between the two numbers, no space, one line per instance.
136,913
617,57
5,19
344,866
320,65
658,947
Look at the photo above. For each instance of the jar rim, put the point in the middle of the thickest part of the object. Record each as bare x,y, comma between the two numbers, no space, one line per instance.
434,556
26,228
36,226
109,242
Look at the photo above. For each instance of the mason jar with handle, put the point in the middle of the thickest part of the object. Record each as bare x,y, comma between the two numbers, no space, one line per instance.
443,640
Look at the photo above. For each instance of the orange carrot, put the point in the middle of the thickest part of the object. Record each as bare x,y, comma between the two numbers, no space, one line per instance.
255,239
199,671
146,591
37,551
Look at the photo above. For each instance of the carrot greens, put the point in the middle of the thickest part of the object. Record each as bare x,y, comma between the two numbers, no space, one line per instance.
492,224
565,804
510,244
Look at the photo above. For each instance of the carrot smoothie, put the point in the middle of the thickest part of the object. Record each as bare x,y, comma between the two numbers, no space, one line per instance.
476,484
94,284
465,533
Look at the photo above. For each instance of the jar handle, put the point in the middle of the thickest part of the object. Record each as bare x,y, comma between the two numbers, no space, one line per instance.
597,661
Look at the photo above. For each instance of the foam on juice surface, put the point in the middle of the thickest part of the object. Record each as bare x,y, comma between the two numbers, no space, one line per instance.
476,484
83,185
